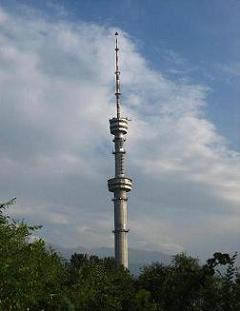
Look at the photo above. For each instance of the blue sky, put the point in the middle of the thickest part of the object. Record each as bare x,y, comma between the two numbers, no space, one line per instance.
180,74
202,37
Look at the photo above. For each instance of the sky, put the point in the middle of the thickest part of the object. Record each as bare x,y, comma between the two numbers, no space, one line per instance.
180,75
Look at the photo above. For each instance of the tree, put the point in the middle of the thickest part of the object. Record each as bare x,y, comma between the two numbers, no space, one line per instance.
31,275
97,284
187,285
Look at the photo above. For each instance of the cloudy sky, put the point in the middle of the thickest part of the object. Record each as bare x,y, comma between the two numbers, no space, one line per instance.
180,75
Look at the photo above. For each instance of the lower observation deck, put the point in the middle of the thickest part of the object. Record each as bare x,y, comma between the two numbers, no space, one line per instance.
120,183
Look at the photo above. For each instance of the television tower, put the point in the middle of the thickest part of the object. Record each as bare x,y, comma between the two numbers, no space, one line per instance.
120,184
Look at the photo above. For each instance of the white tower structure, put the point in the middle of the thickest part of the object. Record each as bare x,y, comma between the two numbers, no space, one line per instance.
120,184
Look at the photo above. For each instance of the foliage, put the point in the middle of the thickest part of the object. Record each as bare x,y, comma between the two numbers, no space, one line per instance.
96,284
33,277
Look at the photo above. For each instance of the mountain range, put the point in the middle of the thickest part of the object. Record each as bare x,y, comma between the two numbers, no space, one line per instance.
137,257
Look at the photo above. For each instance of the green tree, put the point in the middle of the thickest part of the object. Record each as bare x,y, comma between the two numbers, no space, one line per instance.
143,301
97,284
185,285
31,275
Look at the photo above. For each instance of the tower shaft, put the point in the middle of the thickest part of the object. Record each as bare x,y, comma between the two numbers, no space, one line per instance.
120,228
120,184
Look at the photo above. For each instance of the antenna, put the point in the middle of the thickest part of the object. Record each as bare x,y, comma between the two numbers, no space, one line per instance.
117,81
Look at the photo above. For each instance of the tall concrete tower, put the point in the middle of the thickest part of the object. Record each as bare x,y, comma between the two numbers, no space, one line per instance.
120,184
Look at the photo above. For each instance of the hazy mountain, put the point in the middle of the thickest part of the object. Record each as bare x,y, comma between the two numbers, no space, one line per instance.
137,257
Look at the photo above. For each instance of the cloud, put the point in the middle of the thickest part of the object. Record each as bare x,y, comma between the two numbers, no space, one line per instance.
232,69
56,95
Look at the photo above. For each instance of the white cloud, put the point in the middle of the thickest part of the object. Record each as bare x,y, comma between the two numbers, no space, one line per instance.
56,95
232,69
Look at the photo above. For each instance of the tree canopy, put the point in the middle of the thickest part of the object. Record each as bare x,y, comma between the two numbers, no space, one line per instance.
34,277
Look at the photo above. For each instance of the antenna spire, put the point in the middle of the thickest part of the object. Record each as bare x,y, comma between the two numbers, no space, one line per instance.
117,79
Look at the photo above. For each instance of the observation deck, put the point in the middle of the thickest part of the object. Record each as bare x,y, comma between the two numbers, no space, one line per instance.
118,125
120,183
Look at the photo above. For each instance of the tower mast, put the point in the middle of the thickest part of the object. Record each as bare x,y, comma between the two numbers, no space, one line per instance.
117,78
120,184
